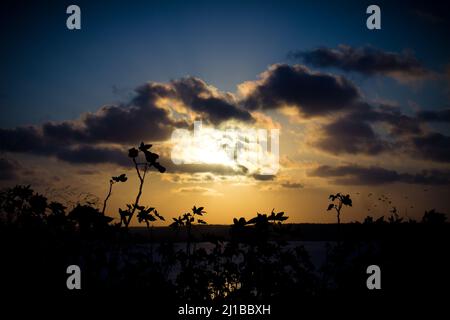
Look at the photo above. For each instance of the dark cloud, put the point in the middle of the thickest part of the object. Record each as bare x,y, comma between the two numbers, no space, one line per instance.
93,155
29,140
200,168
356,131
433,146
366,60
399,124
8,169
434,115
139,120
346,135
292,185
22,139
311,92
264,177
357,175
86,172
215,107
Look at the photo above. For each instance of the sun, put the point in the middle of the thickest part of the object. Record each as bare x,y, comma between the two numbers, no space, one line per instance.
204,146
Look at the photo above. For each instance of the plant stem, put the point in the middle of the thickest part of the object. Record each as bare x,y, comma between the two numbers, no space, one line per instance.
107,197
338,214
141,184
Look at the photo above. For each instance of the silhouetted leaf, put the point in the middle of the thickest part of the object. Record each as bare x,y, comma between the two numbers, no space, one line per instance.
159,216
151,157
159,167
133,153
144,147
280,214
252,220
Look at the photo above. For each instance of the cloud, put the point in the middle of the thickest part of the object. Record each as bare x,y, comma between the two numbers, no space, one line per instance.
140,119
157,109
264,177
209,102
292,185
201,168
447,75
366,60
346,135
86,172
399,124
201,190
93,154
313,93
23,139
433,146
80,141
442,115
357,175
30,140
361,131
8,169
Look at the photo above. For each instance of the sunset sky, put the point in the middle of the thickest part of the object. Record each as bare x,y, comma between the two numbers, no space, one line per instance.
359,111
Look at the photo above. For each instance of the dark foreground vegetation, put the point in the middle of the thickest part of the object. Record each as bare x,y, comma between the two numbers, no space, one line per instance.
250,261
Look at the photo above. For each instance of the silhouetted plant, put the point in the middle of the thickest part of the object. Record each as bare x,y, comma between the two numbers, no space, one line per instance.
368,220
57,216
89,218
434,217
342,200
151,160
148,215
187,220
262,225
121,178
268,267
394,218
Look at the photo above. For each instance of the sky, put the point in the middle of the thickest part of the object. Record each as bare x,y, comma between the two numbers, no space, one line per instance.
359,111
